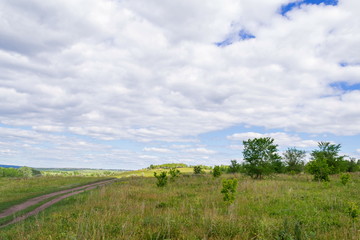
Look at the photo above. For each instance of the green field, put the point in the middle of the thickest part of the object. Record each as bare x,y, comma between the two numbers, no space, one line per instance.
16,190
192,207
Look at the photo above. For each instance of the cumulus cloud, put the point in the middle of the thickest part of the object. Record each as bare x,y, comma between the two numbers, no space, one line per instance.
151,70
281,138
159,150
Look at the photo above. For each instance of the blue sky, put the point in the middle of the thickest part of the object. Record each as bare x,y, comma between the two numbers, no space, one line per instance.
126,84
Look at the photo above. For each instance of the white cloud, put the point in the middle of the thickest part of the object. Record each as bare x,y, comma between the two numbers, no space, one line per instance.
150,71
159,150
282,139
200,151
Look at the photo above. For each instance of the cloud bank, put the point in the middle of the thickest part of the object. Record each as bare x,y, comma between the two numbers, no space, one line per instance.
153,71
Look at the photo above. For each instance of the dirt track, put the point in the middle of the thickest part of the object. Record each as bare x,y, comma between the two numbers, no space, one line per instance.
31,202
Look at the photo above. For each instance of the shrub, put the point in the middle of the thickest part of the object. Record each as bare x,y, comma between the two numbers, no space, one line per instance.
161,179
345,178
198,169
234,167
229,190
216,171
174,173
353,210
320,169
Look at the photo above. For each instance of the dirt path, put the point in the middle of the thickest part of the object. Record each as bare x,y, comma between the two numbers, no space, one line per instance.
67,193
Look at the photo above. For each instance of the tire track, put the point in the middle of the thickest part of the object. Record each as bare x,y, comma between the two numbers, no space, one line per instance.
67,193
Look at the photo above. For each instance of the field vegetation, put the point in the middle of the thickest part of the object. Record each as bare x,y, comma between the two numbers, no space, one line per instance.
268,196
193,207
16,190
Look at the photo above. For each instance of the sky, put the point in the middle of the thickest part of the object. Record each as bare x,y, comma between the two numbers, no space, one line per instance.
122,84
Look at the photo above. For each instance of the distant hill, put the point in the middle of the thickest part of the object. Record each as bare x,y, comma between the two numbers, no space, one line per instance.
77,169
9,166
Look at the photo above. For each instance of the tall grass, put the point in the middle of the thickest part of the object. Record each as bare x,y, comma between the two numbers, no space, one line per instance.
15,190
192,207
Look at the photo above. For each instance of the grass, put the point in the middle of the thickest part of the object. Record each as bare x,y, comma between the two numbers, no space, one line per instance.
281,207
17,190
150,172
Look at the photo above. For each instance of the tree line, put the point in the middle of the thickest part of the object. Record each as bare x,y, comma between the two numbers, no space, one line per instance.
261,158
19,172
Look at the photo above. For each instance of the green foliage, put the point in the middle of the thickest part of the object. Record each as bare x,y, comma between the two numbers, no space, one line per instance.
345,178
234,167
190,210
294,160
174,173
19,172
353,210
319,168
168,166
261,158
198,169
330,153
161,179
229,190
216,171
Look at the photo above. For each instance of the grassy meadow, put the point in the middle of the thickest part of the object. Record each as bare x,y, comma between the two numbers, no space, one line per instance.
16,190
192,207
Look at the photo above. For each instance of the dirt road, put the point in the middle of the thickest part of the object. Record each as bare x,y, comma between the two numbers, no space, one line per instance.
31,202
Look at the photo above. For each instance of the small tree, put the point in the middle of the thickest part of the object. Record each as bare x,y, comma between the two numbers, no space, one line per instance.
345,178
294,160
234,167
174,173
216,171
320,169
330,153
229,190
198,169
161,179
260,154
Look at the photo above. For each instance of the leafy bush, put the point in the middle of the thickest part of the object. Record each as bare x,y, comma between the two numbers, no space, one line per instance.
294,160
234,167
216,171
174,173
320,169
161,179
345,178
229,190
198,169
330,154
353,210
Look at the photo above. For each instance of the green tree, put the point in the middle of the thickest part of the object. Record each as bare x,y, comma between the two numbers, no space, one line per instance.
174,173
260,154
198,169
330,153
319,168
294,160
229,190
234,167
161,179
216,171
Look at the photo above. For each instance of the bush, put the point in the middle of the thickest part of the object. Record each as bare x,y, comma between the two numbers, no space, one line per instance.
216,171
320,169
161,178
234,167
198,169
345,178
229,190
353,210
174,173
